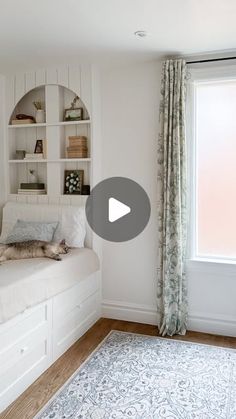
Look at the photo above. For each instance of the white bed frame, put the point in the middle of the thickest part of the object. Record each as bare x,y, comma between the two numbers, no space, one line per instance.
32,341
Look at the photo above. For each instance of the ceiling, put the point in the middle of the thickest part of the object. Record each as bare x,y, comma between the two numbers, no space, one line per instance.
42,32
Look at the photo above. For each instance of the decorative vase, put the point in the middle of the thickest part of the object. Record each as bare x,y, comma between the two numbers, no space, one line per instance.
40,116
32,176
20,154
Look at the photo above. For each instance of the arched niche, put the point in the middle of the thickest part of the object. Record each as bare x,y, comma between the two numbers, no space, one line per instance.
63,100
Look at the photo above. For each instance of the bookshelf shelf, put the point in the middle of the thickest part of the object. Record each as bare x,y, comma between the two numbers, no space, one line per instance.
88,160
29,161
53,124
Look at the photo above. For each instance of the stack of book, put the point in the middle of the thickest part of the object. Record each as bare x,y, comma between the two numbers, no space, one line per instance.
33,156
77,147
32,189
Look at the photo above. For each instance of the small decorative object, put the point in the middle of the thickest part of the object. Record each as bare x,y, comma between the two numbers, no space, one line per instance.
38,146
22,118
73,113
40,149
86,190
40,113
73,182
20,154
32,176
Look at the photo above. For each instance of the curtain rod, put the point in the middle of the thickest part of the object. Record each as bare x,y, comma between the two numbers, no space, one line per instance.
211,60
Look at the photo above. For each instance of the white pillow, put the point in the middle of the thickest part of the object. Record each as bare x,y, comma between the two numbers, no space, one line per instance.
72,221
71,227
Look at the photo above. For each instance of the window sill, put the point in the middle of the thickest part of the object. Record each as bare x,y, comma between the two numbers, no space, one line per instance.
211,266
214,260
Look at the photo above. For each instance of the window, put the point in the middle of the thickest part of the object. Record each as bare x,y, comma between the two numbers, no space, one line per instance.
214,161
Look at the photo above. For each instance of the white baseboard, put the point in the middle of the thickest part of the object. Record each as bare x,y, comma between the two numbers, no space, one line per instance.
218,324
129,311
206,323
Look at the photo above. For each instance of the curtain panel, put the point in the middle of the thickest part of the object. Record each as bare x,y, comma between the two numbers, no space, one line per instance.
172,290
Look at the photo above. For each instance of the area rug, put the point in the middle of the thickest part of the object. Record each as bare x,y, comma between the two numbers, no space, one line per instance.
144,377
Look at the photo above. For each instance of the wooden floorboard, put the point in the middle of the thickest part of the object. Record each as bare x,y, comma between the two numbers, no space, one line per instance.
35,397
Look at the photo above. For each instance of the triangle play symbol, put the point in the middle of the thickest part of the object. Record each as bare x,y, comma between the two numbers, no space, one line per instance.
117,210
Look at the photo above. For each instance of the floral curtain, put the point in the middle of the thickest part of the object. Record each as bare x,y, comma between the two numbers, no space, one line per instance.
172,291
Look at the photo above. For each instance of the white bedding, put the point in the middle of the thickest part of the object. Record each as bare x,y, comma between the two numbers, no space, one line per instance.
24,283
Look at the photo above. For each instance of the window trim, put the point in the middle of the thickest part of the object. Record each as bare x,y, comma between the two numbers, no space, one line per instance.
207,74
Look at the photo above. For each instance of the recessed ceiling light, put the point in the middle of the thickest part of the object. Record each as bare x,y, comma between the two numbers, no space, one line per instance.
140,34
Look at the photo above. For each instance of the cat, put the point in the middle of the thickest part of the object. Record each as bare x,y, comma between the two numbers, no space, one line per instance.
32,249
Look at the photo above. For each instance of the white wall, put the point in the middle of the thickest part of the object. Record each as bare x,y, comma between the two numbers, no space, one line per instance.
2,149
130,101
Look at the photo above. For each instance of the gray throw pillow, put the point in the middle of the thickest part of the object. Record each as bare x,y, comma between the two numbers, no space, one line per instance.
24,231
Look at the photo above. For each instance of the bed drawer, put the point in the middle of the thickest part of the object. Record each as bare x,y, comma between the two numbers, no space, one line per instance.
67,301
23,324
75,324
26,353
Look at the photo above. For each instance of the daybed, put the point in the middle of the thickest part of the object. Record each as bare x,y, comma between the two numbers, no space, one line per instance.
45,305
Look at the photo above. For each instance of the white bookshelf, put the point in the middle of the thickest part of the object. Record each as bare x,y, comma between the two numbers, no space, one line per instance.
50,171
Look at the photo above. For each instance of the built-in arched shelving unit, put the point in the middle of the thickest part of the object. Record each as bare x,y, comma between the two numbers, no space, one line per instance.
50,170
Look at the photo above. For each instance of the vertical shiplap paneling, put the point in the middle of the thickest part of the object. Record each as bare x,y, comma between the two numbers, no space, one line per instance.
53,200
12,198
40,77
51,76
63,76
30,81
65,200
19,86
86,92
32,199
43,199
74,75
21,198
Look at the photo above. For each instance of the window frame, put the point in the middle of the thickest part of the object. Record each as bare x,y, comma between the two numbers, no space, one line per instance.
210,73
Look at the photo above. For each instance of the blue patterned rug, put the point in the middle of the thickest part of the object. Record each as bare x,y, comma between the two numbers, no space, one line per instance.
144,377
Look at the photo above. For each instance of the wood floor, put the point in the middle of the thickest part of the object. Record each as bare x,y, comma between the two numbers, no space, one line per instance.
34,398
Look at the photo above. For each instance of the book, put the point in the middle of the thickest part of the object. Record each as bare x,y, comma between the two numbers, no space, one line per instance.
77,141
77,137
77,151
22,121
35,186
33,156
76,155
31,191
77,148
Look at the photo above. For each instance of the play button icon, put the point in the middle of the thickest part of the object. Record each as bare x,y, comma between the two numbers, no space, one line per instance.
118,209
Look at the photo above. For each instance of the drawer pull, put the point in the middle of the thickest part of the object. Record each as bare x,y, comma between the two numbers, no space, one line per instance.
24,349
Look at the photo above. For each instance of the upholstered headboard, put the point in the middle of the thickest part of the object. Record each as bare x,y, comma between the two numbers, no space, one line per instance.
65,214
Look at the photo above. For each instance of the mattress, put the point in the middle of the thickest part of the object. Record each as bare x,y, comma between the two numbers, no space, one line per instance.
24,283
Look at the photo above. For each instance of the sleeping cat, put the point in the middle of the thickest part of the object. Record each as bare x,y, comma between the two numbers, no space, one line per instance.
32,249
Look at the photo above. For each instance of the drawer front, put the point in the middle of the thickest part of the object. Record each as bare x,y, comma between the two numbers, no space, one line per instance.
20,350
75,324
67,301
15,329
27,354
